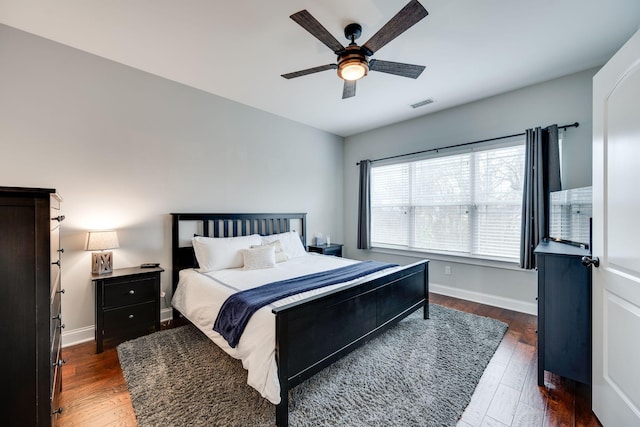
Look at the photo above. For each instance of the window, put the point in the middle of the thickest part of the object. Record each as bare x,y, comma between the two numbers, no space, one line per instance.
466,204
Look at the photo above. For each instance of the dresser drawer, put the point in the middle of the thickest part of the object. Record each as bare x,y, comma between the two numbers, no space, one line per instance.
56,343
54,210
56,367
130,291
56,388
54,256
54,201
120,321
55,311
54,285
55,397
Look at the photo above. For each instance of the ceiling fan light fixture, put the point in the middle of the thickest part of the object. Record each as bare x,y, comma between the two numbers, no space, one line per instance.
353,60
353,69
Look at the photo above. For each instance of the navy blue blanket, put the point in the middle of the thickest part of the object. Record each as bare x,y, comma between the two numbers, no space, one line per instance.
238,308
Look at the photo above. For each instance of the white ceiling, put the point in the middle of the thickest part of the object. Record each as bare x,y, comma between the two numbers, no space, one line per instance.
237,49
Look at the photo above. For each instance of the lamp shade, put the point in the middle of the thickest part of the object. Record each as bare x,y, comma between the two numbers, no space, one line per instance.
101,240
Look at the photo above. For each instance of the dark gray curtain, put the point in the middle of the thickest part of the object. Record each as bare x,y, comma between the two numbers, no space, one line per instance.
541,175
364,206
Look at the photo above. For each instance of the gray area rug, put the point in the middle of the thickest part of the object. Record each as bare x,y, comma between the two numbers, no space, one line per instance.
419,373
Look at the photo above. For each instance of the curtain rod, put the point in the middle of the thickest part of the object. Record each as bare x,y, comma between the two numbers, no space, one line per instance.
573,125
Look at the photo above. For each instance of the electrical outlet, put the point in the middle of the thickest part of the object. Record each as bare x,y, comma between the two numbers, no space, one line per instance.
447,270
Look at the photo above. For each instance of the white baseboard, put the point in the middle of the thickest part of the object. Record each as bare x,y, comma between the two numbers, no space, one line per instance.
78,336
81,335
488,299
166,314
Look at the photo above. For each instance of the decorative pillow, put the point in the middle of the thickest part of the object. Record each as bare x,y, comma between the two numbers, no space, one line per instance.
218,253
290,242
280,254
259,257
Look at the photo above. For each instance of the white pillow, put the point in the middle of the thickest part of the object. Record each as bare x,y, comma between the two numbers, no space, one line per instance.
259,257
290,242
280,254
218,253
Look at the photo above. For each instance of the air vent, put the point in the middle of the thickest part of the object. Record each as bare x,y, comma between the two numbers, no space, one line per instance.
422,103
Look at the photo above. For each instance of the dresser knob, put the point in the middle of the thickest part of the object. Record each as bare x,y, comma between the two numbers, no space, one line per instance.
61,250
59,363
56,263
61,326
58,218
57,411
58,317
131,292
61,291
131,316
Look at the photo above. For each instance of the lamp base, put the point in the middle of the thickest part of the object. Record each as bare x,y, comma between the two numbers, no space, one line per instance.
101,262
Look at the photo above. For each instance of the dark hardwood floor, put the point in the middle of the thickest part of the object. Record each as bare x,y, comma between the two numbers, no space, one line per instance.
508,392
94,392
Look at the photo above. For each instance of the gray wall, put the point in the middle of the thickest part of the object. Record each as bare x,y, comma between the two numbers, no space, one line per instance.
564,100
125,148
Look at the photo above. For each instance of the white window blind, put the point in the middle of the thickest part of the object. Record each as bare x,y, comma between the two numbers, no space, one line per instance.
466,203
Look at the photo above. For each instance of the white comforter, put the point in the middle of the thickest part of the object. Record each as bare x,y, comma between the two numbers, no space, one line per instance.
199,297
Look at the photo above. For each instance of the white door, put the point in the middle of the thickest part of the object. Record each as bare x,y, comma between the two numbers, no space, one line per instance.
616,238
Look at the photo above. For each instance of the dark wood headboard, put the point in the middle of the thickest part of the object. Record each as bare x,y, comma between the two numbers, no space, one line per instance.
228,225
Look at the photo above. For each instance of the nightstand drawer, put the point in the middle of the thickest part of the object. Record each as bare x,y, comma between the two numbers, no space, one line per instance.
130,291
120,321
334,249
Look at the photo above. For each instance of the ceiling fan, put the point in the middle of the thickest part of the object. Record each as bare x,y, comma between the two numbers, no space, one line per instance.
353,60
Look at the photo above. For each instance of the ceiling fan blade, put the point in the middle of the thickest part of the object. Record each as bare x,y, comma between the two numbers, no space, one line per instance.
349,89
310,71
397,68
405,19
311,24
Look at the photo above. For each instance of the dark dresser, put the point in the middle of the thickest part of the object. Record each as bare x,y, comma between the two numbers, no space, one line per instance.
564,311
31,317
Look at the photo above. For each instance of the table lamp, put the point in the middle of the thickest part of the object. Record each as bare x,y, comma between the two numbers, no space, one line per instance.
102,262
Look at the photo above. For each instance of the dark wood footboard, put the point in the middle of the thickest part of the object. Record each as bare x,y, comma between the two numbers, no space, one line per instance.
314,333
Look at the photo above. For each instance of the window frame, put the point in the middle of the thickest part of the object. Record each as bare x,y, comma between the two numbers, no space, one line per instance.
469,255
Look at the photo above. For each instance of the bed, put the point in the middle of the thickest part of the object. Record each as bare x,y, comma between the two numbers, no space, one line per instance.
310,333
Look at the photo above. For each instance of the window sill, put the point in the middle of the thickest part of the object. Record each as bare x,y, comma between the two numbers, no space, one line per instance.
460,259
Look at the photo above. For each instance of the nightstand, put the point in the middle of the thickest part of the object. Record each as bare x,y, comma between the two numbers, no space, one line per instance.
127,304
334,249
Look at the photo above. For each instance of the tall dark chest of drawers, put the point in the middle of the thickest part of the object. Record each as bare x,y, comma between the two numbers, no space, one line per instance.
564,312
30,319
